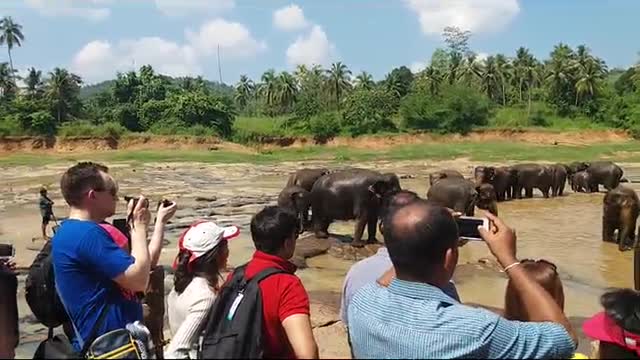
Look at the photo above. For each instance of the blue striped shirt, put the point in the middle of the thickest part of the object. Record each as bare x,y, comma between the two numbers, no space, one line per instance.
416,320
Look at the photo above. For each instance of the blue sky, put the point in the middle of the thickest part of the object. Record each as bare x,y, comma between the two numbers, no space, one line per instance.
97,38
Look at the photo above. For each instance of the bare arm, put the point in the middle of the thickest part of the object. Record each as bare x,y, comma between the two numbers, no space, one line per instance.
136,277
537,302
300,335
157,238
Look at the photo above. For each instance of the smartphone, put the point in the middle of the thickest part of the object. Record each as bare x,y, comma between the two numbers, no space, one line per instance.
7,251
468,227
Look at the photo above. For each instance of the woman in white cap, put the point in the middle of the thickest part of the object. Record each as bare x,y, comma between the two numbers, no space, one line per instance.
203,254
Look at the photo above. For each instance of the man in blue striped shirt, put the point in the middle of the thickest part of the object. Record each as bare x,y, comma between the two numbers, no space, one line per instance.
414,318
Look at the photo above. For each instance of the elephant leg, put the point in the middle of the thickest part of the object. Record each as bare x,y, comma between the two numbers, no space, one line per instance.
518,192
607,230
372,227
545,192
359,230
528,191
320,227
626,234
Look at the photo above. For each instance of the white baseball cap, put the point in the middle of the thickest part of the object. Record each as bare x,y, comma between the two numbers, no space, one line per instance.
203,236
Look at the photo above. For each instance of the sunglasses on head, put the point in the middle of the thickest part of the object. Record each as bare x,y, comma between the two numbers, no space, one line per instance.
542,261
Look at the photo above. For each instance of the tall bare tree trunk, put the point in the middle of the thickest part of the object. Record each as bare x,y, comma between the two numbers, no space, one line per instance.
529,109
10,62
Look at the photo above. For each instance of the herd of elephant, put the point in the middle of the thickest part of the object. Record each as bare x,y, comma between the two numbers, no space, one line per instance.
358,194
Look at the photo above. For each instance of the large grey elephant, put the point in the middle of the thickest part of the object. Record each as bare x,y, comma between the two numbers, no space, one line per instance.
604,173
559,179
463,195
305,178
298,200
530,176
444,174
354,194
621,207
502,179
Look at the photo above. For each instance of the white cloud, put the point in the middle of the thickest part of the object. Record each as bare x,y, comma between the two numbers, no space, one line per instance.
310,49
474,15
185,7
93,10
99,60
234,39
290,18
482,56
417,66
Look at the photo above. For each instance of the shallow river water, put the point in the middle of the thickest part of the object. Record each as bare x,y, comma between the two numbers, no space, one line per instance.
565,230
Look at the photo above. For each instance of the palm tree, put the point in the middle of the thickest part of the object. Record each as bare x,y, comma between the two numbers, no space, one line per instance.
455,64
301,74
33,83
470,69
393,84
364,80
287,89
7,85
268,87
523,60
588,81
433,78
11,35
530,76
503,72
63,88
244,91
489,77
338,81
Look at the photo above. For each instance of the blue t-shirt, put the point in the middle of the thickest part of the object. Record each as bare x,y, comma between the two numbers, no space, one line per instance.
85,262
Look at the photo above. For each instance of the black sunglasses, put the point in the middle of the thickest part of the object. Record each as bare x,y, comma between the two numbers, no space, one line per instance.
543,261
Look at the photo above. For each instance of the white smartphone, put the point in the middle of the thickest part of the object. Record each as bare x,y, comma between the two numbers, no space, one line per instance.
468,227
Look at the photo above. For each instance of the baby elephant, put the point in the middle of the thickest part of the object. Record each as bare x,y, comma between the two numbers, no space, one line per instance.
581,182
621,207
297,200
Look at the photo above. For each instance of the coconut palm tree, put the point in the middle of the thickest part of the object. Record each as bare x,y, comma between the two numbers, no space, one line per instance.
287,89
63,88
588,82
339,80
470,70
393,84
530,74
433,78
503,72
489,78
455,67
33,83
244,91
301,73
11,35
7,85
269,87
364,80
521,63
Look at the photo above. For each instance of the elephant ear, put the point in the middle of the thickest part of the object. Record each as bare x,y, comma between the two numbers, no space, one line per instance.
378,188
492,172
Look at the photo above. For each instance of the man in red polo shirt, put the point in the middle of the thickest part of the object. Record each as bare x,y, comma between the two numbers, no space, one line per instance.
285,303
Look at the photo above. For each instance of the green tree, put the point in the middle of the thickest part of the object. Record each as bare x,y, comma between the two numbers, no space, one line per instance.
364,80
470,70
455,68
10,35
34,84
287,90
399,80
8,86
456,39
244,91
504,74
489,78
62,90
268,89
369,111
430,77
338,81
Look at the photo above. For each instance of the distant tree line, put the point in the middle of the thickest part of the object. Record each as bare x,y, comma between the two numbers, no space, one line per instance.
455,92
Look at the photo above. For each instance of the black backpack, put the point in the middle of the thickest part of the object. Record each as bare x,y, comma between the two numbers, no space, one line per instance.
40,291
234,329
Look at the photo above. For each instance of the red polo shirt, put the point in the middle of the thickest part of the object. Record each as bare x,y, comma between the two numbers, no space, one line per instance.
282,296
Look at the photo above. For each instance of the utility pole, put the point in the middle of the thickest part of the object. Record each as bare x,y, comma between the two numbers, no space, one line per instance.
219,66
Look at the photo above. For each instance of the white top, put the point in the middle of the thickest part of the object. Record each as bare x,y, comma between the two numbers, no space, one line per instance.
187,316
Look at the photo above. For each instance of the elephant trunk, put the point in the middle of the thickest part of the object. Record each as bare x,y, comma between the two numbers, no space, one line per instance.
626,233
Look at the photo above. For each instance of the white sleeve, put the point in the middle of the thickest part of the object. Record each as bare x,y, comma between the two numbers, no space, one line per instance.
189,330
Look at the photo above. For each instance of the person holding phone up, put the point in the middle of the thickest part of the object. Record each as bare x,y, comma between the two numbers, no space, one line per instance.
413,318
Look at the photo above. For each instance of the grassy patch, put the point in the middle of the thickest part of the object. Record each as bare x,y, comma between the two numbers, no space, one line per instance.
486,151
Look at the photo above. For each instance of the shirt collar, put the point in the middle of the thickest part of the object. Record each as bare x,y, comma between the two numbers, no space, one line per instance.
419,291
275,261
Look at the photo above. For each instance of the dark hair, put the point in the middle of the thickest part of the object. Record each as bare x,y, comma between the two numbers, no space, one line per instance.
43,191
271,227
623,307
418,236
206,266
545,274
80,177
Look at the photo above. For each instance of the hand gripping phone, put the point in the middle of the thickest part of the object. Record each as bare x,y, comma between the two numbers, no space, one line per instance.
468,227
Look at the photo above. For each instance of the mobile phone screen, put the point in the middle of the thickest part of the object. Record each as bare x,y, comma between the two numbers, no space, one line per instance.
468,228
7,251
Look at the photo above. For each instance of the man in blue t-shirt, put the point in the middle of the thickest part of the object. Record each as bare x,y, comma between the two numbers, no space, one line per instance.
91,271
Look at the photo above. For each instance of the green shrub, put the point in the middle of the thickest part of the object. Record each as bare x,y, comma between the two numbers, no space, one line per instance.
368,111
42,123
324,127
85,128
538,119
421,111
11,126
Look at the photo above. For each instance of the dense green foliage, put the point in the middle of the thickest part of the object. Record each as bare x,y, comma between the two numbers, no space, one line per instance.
456,92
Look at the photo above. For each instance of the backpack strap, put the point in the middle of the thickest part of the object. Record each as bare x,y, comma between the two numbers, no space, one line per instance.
266,273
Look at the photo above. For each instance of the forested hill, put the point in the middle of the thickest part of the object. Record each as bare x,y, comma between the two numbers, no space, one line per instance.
93,89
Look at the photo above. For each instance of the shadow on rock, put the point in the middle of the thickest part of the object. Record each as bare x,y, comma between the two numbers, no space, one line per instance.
335,245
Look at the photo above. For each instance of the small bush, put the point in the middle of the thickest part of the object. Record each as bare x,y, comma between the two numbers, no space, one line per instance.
11,126
369,111
42,123
85,128
325,126
538,119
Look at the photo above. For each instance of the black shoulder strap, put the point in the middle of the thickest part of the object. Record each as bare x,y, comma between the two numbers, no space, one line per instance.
266,273
94,331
